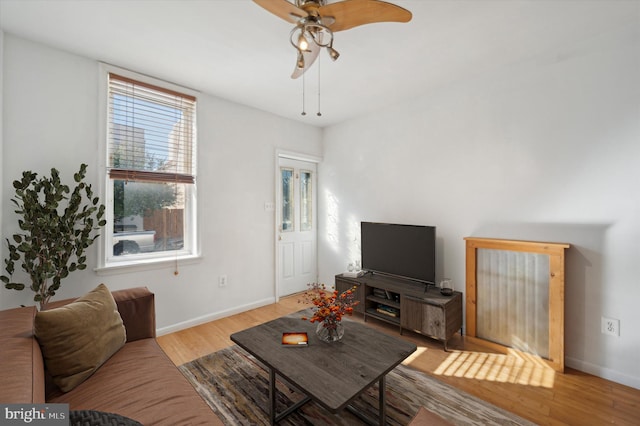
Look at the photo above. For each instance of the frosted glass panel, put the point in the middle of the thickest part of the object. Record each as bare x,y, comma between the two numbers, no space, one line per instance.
306,201
287,199
513,299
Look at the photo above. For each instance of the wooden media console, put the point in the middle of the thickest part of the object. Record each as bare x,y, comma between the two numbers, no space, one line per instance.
408,304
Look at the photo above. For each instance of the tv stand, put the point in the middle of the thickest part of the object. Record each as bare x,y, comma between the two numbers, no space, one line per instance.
408,304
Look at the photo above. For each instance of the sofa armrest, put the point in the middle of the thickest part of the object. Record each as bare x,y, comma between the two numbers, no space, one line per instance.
138,312
21,365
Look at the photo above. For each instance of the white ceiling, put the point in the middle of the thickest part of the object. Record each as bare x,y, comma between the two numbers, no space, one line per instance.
236,50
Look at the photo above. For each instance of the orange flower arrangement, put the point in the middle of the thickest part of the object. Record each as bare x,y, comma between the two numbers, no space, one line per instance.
330,306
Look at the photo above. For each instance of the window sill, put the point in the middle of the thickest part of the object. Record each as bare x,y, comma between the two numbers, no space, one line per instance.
145,264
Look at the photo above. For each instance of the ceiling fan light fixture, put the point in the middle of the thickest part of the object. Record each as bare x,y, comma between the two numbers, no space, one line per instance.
300,61
299,40
320,33
303,43
333,53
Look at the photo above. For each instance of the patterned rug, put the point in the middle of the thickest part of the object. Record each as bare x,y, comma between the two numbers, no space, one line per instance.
236,386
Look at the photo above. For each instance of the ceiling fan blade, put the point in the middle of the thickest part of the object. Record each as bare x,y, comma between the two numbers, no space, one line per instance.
309,58
283,9
352,13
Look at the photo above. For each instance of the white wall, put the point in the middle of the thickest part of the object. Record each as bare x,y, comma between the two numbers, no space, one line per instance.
51,120
544,150
1,132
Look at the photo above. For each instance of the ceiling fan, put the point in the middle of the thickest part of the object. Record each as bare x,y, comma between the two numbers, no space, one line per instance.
316,21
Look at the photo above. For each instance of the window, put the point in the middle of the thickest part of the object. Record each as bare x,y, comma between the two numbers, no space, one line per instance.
287,199
150,173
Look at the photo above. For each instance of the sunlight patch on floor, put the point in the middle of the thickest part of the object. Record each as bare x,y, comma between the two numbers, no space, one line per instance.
514,367
408,360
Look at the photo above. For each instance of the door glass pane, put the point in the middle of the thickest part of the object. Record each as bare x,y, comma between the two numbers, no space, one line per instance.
306,201
287,199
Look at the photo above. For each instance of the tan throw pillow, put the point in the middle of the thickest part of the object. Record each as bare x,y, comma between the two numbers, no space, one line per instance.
76,339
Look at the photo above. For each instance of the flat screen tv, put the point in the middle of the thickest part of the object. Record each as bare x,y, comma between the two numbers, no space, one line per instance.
406,251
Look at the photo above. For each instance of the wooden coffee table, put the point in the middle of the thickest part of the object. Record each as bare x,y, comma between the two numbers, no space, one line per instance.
331,374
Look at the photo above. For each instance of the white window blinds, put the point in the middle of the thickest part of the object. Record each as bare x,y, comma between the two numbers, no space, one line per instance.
151,132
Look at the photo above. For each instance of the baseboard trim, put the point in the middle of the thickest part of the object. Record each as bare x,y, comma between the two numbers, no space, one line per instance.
605,373
214,316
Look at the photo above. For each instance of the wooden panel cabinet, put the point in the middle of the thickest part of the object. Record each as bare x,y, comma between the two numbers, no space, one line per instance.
433,322
411,314
437,317
410,305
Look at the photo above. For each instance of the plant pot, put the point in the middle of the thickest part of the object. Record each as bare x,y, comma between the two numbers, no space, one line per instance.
330,331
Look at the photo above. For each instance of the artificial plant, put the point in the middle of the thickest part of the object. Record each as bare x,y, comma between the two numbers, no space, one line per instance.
57,225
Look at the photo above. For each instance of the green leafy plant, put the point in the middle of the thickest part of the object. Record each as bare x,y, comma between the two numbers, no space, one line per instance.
57,226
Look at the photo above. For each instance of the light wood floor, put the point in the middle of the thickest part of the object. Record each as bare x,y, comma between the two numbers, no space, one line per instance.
516,382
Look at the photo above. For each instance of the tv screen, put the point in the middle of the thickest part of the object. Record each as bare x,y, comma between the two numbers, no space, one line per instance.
407,251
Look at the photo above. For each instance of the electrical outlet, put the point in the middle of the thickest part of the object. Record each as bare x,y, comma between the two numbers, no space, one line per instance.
222,281
610,326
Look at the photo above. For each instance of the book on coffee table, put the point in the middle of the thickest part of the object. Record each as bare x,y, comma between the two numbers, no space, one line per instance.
296,339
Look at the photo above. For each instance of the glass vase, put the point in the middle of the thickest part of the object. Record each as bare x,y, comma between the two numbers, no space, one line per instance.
330,331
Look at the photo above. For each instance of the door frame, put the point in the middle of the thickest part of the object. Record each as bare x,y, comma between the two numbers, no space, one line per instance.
291,155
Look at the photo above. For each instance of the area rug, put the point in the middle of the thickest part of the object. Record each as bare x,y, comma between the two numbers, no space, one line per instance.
236,386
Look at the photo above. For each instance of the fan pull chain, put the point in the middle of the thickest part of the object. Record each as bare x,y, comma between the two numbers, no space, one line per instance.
303,84
319,114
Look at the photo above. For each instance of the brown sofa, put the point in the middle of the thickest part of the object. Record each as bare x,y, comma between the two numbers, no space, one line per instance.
139,381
